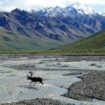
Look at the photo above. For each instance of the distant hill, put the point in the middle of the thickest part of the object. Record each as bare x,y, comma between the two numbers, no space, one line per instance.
10,41
92,45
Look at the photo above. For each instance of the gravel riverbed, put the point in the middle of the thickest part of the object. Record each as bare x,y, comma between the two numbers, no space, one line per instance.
37,102
84,75
92,86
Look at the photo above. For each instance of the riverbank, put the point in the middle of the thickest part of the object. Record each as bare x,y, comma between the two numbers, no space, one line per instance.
92,86
65,57
37,102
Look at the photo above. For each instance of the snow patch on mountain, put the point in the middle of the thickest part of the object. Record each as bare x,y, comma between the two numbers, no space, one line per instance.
83,8
72,9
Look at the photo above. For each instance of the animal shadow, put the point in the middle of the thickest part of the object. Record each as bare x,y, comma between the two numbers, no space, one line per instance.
29,87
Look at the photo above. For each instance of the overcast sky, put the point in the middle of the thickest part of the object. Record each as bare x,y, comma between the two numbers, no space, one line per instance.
8,5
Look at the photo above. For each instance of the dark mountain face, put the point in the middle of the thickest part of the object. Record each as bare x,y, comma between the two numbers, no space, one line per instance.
64,25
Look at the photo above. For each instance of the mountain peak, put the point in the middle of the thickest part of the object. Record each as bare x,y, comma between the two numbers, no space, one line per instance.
16,10
103,13
73,9
83,8
53,11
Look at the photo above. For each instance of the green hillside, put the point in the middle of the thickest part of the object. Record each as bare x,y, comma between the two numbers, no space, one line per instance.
14,42
92,45
10,41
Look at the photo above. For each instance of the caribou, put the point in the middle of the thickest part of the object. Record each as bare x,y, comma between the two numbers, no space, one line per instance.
34,79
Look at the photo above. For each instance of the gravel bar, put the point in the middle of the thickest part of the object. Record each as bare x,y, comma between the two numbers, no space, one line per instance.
37,101
91,87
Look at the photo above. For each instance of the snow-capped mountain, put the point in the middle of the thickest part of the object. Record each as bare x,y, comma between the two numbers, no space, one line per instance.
83,9
63,25
102,13
53,11
73,9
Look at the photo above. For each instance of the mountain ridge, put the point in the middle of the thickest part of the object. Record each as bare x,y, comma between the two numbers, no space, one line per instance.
58,25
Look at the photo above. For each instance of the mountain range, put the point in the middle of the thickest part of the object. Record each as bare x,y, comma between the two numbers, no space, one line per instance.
49,27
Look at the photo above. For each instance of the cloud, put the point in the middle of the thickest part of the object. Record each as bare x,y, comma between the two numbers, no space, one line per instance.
8,5
29,4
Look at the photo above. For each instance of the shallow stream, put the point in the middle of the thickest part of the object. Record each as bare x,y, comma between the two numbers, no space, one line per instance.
14,85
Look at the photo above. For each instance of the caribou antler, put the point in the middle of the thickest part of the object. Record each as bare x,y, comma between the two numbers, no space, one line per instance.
31,73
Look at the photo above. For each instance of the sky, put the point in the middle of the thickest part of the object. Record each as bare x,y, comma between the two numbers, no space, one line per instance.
8,5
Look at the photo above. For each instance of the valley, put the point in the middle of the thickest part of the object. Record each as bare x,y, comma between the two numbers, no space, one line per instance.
52,52
93,45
